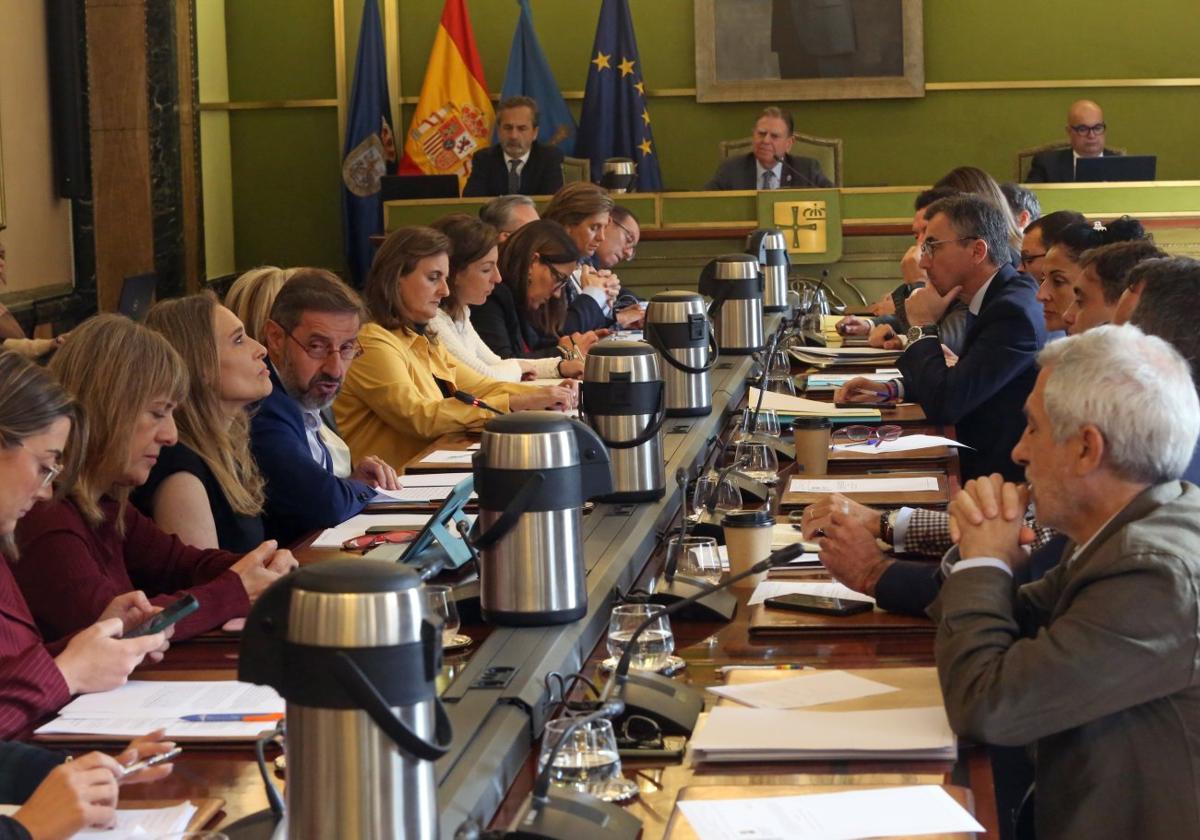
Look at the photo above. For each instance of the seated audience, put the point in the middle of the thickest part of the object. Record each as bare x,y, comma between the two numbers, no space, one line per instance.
473,277
974,181
621,238
1061,268
1093,665
966,253
769,165
128,381
1099,285
508,213
312,339
251,295
1022,203
518,163
41,437
1085,133
398,397
206,489
1033,245
516,324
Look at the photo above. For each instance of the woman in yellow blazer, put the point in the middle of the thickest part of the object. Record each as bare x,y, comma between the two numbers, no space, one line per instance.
392,404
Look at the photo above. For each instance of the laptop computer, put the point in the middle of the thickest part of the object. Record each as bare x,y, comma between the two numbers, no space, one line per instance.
137,296
398,187
1116,168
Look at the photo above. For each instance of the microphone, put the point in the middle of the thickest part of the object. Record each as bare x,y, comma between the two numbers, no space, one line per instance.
451,393
681,479
564,814
671,704
797,173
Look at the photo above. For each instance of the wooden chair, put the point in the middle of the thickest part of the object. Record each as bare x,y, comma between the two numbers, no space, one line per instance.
827,151
576,169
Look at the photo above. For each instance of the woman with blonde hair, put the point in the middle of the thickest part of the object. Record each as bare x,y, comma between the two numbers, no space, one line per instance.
206,489
251,296
398,397
128,380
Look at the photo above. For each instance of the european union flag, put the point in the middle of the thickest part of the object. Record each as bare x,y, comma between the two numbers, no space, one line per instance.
529,74
615,121
370,149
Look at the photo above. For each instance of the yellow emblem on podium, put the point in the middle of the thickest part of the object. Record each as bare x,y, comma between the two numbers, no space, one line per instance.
803,225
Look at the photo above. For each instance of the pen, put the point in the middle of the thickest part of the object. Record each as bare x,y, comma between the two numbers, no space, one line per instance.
234,717
575,350
152,761
725,669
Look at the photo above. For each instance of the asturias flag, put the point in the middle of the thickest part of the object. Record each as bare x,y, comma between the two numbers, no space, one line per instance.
529,75
615,121
454,115
370,149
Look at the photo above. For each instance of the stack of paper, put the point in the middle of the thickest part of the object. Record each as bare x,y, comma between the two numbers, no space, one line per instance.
833,381
785,405
831,589
850,486
731,733
449,456
808,689
826,356
145,823
904,443
421,489
141,706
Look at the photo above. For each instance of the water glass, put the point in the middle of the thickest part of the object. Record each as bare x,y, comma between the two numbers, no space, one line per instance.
779,373
653,647
759,459
708,497
765,424
588,761
696,558
443,610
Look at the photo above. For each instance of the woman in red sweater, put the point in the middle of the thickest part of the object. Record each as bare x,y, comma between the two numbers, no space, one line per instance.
92,545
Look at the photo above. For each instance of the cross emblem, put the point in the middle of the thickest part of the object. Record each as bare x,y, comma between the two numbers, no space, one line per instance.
796,226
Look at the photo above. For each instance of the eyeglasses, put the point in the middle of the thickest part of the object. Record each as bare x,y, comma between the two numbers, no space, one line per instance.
1089,130
320,350
49,473
630,239
929,246
368,541
560,279
1027,259
861,434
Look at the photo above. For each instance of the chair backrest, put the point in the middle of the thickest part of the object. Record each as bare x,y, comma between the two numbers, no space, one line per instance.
827,151
576,169
1025,156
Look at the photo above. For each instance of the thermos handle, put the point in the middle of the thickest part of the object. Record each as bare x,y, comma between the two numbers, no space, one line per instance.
719,299
519,505
660,417
367,696
714,351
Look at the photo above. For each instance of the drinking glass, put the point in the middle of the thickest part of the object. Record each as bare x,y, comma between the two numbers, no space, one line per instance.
588,761
653,647
696,557
708,497
760,461
779,373
766,424
443,610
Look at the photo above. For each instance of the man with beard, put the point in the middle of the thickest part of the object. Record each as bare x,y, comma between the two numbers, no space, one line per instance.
518,164
311,338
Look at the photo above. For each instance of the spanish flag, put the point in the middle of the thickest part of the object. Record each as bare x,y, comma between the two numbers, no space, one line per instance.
454,115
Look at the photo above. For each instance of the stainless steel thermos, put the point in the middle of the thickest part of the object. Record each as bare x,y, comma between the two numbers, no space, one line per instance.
735,285
768,246
679,329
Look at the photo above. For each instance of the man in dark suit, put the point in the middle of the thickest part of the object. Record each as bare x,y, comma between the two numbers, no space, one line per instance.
1085,132
769,166
311,338
965,254
518,163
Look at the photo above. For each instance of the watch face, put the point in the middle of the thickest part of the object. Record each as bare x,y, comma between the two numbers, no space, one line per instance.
913,334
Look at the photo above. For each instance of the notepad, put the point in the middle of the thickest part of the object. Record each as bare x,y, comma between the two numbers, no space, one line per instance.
733,733
847,815
907,484
790,406
810,689
905,443
144,823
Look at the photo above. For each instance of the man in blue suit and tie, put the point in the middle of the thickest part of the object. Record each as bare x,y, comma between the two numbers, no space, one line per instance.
312,338
965,254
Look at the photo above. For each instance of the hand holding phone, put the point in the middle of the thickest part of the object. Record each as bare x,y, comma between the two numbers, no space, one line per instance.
171,614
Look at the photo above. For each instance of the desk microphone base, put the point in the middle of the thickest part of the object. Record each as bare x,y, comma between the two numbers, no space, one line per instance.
261,826
671,704
719,606
570,815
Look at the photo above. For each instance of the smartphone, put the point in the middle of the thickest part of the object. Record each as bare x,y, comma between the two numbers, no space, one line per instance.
819,604
170,614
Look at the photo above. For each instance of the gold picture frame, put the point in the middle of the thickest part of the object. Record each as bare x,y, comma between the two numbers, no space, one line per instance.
3,221
781,50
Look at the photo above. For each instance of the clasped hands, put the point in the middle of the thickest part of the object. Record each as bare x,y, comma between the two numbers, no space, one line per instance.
987,519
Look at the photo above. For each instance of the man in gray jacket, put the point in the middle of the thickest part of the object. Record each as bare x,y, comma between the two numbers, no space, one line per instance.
1098,663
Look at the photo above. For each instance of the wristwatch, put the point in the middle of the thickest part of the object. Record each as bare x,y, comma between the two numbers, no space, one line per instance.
915,333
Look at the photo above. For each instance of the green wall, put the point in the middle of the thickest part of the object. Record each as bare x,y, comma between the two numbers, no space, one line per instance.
286,166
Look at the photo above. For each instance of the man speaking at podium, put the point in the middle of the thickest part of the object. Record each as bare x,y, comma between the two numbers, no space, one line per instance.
769,166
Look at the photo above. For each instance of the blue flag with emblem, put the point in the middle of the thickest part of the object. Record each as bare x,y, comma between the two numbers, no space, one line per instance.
529,74
615,121
370,149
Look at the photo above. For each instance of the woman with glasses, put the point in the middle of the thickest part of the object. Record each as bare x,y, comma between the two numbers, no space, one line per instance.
399,396
206,489
474,276
128,380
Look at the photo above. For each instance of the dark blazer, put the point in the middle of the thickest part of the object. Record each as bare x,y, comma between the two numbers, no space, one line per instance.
506,332
301,494
541,175
984,394
1056,167
583,313
739,173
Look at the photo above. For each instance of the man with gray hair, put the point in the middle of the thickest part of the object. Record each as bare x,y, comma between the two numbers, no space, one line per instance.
509,213
1096,663
518,163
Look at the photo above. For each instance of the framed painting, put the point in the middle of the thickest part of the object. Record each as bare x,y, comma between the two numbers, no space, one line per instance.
782,50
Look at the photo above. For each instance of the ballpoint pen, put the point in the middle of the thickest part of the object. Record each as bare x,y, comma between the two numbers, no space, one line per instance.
234,717
575,350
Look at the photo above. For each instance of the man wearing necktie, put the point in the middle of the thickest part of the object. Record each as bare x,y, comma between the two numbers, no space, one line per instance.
518,164
769,166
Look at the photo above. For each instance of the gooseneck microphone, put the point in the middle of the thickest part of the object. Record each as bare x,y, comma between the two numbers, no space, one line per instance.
451,393
672,563
795,173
